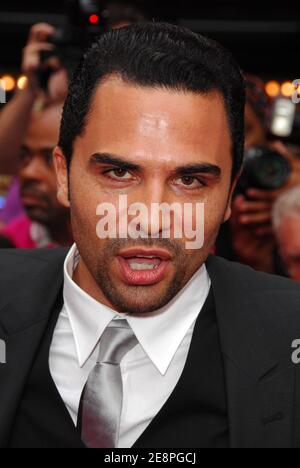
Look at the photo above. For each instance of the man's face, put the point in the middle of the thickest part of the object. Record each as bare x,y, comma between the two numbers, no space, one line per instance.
154,146
289,245
36,170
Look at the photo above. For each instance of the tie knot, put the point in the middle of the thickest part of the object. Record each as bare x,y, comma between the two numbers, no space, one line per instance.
117,340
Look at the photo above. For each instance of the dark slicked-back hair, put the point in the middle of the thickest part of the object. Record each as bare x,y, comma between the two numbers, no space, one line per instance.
156,55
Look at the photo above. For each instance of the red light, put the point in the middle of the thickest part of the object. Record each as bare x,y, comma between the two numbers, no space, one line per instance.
94,19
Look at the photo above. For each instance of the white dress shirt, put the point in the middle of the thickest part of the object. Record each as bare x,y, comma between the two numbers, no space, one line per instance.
150,371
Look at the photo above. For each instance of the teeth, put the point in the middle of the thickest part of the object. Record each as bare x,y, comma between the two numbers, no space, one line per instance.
142,266
144,256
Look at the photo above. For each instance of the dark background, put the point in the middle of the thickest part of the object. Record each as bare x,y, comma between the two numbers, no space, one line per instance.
264,36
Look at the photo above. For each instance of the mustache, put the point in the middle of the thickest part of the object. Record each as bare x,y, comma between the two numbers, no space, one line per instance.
114,246
28,188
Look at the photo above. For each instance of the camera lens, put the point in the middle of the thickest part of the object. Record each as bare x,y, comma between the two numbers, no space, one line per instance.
264,169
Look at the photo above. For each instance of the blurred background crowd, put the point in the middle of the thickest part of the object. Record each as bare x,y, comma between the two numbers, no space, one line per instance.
41,43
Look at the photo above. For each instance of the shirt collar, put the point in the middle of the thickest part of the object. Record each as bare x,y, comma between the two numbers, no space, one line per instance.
159,333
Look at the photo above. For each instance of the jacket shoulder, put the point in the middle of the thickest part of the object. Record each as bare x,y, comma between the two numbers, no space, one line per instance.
16,263
255,280
271,303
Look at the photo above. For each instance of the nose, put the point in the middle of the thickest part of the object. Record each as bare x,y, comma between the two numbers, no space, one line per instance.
152,208
32,171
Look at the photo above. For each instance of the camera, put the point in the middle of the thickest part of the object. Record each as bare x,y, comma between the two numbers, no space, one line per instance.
263,169
83,22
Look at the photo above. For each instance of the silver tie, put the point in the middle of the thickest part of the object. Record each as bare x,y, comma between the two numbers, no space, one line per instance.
101,401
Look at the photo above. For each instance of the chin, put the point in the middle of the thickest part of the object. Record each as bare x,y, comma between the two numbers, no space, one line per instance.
37,216
142,300
139,309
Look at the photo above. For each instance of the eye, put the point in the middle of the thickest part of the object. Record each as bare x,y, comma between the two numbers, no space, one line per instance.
118,174
190,182
25,158
48,157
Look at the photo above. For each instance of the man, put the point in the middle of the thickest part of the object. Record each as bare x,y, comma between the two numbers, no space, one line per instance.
142,342
15,115
249,237
46,222
286,224
251,222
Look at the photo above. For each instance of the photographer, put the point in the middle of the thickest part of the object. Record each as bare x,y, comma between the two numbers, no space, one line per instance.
48,80
15,115
286,224
129,342
249,236
251,224
48,77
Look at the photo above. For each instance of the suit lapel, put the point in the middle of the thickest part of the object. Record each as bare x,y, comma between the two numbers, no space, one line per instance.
260,389
184,405
23,322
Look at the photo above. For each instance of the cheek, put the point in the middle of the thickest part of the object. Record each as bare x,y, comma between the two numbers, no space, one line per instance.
52,186
84,206
214,216
83,209
212,225
216,204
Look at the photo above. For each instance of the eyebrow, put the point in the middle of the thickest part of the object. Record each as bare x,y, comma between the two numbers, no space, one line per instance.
27,148
105,158
203,168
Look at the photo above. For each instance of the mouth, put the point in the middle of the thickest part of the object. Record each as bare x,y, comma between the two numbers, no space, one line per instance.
140,267
32,199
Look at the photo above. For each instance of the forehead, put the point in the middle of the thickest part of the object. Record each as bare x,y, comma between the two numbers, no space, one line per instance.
157,123
43,129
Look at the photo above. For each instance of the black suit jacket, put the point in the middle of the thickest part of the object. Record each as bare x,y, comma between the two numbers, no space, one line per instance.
258,317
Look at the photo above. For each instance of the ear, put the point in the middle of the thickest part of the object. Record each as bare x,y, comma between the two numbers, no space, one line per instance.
228,211
62,177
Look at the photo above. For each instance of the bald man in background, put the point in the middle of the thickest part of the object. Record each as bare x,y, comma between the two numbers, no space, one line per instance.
46,223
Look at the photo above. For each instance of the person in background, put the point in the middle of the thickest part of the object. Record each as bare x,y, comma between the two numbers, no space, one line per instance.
249,234
237,240
257,112
286,224
253,237
46,222
142,343
16,114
